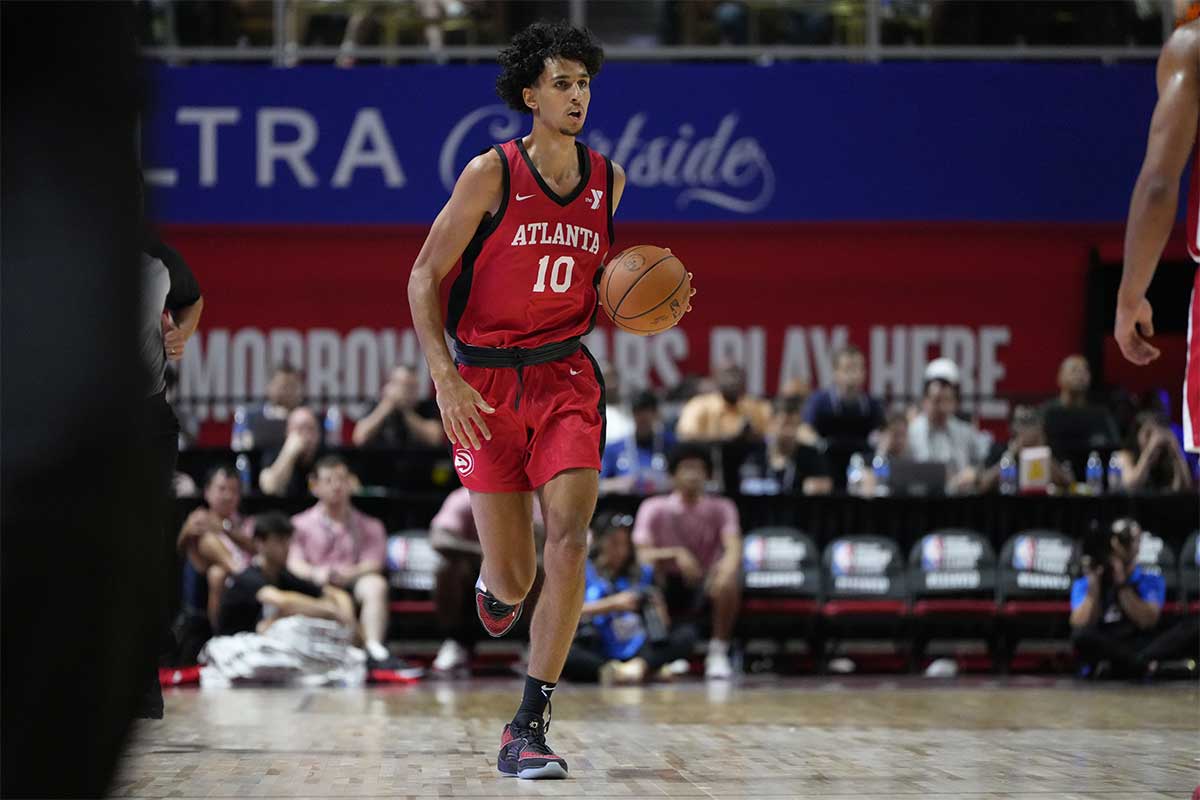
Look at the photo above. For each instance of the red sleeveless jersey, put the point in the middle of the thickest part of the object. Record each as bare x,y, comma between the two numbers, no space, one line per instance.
529,275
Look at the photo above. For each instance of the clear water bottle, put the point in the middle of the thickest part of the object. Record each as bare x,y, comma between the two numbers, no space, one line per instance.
245,474
333,427
241,439
856,473
1094,474
1115,482
1008,474
883,474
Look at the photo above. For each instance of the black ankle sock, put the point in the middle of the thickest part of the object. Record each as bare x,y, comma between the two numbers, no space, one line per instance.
533,702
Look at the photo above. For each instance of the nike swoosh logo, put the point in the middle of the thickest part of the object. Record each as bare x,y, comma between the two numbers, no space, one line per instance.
521,197
576,371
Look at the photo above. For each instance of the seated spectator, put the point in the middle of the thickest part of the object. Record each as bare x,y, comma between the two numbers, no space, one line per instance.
726,414
618,422
1116,608
453,534
401,419
844,415
1025,430
637,463
791,465
337,545
268,422
217,541
1073,426
288,470
938,435
892,443
625,633
266,591
694,542
1155,462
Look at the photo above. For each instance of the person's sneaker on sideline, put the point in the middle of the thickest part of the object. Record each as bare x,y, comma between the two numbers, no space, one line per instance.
393,670
716,664
451,656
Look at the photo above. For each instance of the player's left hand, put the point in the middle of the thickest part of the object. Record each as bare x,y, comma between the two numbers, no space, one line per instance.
173,338
1133,327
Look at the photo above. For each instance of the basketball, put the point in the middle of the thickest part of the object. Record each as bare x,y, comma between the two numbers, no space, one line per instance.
645,289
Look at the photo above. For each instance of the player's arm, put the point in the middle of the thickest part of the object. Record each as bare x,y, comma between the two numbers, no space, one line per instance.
1156,193
618,185
477,192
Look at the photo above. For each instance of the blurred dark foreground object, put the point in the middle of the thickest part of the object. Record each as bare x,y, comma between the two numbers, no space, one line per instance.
81,575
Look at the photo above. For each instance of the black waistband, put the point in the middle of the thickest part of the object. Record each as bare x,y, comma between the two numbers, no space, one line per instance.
515,357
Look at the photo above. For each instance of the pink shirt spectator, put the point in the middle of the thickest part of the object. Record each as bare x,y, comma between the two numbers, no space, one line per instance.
666,521
324,542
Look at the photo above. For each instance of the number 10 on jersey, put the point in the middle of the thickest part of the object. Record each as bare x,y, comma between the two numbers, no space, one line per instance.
560,275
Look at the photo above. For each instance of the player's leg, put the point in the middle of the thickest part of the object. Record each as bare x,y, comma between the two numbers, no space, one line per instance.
568,502
1191,381
564,409
505,524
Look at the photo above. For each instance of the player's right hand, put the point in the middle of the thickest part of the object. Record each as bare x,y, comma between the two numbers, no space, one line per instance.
1133,327
460,405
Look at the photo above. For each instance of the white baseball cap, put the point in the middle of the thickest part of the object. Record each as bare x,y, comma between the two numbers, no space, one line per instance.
942,369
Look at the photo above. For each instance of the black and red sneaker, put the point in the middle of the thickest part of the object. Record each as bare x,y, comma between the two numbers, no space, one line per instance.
524,753
497,618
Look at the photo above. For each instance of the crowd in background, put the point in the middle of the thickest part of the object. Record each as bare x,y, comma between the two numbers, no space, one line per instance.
347,24
662,579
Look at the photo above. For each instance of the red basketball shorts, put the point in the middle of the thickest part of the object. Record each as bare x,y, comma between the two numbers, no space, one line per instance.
558,425
1191,381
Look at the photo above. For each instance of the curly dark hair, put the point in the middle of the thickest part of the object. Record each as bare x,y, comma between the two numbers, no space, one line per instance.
524,59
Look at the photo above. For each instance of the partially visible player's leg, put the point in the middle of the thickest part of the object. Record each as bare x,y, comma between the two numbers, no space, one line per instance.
1191,382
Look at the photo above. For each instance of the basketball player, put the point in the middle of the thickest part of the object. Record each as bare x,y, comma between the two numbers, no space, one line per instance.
1152,214
522,401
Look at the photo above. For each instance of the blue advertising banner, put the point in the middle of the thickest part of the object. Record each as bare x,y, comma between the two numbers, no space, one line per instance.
699,142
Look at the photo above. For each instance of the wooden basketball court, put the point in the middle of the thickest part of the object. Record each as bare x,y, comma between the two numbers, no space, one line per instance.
858,737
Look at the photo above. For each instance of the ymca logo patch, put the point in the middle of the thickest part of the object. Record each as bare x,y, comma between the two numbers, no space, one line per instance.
597,196
464,462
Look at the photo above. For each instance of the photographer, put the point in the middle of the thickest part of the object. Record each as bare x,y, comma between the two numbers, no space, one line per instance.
625,636
1116,606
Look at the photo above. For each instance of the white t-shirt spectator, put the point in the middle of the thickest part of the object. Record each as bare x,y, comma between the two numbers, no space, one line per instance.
956,444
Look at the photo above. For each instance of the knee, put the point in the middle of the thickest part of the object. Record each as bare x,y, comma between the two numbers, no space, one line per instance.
216,577
510,583
567,533
372,585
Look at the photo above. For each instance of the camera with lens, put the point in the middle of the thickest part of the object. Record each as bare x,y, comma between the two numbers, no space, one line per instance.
652,618
1097,549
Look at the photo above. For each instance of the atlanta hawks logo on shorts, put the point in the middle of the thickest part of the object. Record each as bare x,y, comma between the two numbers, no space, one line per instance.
464,462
